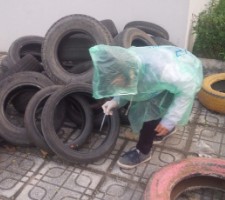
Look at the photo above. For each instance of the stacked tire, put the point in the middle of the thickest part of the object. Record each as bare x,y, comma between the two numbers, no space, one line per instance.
46,92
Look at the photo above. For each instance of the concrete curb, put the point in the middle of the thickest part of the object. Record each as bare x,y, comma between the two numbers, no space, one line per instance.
212,66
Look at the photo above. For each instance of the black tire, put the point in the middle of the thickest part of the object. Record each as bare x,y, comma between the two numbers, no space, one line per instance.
110,25
58,32
27,63
25,45
149,28
96,106
4,72
78,68
22,98
75,48
80,106
1,140
133,37
32,117
84,154
11,122
123,115
161,41
6,62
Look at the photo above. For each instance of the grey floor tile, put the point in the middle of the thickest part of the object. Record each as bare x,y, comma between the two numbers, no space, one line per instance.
16,168
26,175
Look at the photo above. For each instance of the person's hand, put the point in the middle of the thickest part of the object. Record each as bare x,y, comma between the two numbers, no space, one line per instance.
161,130
108,106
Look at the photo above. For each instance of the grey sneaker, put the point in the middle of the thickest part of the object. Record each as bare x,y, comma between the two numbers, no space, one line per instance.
159,139
132,159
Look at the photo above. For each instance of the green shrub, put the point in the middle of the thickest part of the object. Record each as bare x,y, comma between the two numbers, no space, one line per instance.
210,31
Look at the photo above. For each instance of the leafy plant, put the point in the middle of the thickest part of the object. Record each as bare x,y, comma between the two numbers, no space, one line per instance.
210,30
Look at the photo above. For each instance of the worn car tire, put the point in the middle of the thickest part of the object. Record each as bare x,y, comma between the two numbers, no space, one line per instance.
133,37
6,62
22,46
123,115
75,48
149,28
68,93
212,93
27,63
9,88
33,125
59,31
162,41
64,151
110,25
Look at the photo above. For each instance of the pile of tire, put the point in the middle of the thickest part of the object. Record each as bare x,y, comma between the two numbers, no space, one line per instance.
46,92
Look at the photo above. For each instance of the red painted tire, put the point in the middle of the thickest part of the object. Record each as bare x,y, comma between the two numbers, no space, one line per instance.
170,181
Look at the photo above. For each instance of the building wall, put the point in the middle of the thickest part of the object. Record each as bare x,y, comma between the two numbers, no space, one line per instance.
32,17
194,10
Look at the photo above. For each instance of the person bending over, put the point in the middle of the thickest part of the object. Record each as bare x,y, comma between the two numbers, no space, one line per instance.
158,82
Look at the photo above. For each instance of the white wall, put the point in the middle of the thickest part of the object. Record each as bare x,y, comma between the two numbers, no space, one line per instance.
34,17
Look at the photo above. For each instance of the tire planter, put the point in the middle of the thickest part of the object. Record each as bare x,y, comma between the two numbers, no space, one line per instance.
170,181
59,32
32,117
133,37
11,122
92,149
212,93
149,28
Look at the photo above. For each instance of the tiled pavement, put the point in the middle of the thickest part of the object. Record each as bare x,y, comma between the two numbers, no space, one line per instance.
26,175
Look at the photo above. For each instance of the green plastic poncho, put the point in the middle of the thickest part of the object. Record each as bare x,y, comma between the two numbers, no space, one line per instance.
159,81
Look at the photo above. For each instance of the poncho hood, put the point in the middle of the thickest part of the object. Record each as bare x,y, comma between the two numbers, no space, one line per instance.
116,71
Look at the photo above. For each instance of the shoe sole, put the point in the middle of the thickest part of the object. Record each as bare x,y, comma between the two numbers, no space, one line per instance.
133,166
165,137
